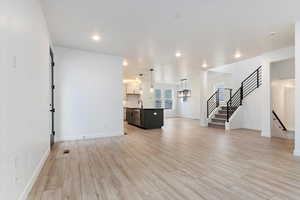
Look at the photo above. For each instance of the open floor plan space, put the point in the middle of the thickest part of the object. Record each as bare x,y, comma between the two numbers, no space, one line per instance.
180,161
149,100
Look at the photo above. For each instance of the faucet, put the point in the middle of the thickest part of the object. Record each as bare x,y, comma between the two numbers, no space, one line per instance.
140,101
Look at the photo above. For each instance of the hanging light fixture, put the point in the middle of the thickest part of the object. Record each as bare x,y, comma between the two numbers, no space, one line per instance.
151,80
141,89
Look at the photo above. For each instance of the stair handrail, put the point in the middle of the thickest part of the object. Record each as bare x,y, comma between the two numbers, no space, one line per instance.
212,105
280,122
248,85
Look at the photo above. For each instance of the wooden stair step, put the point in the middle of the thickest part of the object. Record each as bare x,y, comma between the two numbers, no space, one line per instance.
219,120
230,108
216,125
221,116
225,111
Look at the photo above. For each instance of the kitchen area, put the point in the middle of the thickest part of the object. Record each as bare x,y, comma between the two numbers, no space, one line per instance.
147,104
139,105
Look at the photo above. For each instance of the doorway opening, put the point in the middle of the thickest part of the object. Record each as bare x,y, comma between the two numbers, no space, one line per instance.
283,100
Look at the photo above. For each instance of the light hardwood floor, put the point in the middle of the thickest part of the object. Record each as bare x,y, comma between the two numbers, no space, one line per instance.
181,161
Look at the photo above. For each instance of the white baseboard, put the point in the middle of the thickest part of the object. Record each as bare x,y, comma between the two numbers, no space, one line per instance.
203,124
266,134
87,136
34,176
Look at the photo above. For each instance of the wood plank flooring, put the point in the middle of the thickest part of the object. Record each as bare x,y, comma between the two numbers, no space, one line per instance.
181,161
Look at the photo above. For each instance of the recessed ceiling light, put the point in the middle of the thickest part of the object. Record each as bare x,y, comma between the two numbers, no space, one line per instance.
125,63
178,55
238,55
204,65
96,37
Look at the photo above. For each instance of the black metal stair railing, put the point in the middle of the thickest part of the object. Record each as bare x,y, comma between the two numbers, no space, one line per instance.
221,95
251,83
233,103
213,102
280,122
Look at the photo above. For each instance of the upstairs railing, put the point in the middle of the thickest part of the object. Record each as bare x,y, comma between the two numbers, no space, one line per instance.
279,121
221,95
252,82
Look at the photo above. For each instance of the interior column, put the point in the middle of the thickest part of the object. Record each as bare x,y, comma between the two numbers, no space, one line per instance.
203,99
297,89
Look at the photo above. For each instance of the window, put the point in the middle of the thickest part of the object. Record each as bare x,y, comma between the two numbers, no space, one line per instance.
168,94
157,93
169,104
158,100
165,101
168,97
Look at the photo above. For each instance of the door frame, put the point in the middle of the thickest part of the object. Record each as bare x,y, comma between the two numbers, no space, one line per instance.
52,92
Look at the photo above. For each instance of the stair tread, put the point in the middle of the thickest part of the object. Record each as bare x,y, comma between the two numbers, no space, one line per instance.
217,123
219,118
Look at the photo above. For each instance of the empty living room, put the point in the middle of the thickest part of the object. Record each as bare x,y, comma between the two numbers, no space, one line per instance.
149,100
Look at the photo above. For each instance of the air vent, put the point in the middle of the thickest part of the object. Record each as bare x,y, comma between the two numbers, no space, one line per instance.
67,151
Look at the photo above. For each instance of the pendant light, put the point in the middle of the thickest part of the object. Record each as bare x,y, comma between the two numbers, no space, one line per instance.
140,88
151,80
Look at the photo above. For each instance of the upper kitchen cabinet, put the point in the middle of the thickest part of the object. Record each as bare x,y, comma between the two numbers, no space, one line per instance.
132,88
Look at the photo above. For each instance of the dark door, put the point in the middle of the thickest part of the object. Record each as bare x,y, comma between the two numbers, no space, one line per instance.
52,108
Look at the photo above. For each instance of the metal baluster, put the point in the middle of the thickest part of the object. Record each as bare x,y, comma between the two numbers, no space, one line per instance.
227,115
257,77
217,97
207,109
241,95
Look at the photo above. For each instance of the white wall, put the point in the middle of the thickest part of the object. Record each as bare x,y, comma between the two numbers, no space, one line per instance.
283,69
24,102
297,90
88,94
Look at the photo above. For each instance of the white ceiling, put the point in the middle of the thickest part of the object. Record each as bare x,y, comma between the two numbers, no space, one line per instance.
148,33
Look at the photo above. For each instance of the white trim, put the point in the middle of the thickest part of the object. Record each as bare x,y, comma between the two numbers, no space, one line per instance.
296,152
229,126
86,136
266,134
204,123
34,176
215,111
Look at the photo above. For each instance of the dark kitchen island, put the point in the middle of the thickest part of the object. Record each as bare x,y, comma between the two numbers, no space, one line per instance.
146,118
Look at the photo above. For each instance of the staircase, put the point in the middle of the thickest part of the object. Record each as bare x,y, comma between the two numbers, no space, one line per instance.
224,112
219,118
